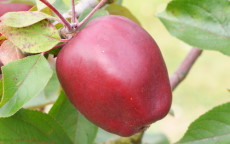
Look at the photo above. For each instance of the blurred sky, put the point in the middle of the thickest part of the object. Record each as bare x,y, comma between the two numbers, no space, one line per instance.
206,85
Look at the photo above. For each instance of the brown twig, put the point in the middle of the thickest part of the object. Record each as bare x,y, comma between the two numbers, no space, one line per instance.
183,70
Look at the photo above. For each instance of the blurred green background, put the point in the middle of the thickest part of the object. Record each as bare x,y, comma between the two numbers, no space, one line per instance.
205,87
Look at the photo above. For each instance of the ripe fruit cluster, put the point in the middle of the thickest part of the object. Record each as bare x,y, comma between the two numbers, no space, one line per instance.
114,73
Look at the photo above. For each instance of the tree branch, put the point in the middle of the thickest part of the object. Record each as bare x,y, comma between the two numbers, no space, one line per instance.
183,70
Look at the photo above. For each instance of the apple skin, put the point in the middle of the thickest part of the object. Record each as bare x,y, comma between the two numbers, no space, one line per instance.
114,74
13,7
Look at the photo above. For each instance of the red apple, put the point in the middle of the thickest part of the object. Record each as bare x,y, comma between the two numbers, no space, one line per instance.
13,7
114,74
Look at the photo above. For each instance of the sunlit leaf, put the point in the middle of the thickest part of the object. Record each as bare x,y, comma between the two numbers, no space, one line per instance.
23,18
41,6
30,2
115,9
32,127
79,129
211,128
1,88
61,6
39,37
103,136
23,80
50,93
201,23
98,13
118,1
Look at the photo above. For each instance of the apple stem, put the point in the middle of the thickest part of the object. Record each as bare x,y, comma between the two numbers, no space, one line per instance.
99,5
65,22
74,19
183,70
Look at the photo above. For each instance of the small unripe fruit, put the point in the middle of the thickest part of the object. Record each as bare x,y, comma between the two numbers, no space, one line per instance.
114,74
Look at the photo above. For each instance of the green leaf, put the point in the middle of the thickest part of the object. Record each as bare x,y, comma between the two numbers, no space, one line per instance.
79,129
1,90
29,2
23,80
23,18
41,6
115,9
61,6
98,13
48,95
118,2
211,128
52,88
201,23
103,136
1,38
36,38
31,127
55,51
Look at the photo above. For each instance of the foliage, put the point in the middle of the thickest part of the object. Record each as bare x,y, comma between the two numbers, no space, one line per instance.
18,82
77,127
203,24
212,127
29,126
